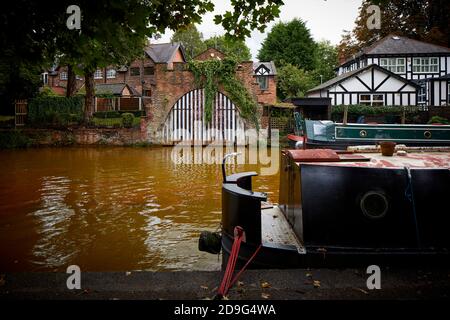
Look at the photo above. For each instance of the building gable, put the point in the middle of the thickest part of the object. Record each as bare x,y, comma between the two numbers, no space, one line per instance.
210,53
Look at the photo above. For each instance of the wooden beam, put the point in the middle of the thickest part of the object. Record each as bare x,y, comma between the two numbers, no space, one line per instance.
345,115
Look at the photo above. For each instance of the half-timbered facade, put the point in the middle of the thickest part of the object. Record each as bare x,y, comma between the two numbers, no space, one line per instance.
403,72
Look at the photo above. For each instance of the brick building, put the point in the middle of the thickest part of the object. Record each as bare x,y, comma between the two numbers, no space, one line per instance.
173,104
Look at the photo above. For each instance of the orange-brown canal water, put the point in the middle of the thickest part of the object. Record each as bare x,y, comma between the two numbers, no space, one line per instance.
109,209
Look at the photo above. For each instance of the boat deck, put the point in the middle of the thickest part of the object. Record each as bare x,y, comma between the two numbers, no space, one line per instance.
417,159
277,232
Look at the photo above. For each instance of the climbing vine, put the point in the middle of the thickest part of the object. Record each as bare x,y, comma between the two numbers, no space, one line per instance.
211,74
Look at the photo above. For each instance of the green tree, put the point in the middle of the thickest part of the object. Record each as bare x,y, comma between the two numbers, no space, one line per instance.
235,48
191,39
425,20
113,31
294,82
326,60
291,43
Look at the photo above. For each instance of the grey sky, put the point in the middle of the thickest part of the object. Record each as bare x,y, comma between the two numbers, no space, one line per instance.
325,18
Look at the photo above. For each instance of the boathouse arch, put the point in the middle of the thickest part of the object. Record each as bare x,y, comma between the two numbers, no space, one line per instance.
186,121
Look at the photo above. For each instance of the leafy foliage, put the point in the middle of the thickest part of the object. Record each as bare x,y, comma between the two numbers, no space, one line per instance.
291,43
113,32
372,110
191,39
248,15
326,60
14,139
294,82
211,74
302,63
234,48
425,20
55,111
389,114
438,119
127,120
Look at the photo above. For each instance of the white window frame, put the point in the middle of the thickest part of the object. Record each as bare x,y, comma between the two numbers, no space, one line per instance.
395,65
98,74
63,75
422,94
45,78
371,101
425,65
263,82
111,73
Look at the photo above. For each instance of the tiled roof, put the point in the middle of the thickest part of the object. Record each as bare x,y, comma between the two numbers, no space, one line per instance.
163,52
269,66
393,44
110,88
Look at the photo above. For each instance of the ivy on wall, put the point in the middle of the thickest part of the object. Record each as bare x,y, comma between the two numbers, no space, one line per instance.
210,74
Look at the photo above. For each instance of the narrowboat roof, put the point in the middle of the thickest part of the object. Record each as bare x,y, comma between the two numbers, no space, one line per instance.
370,157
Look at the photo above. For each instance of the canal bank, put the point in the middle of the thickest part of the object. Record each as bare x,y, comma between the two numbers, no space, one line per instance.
35,137
299,284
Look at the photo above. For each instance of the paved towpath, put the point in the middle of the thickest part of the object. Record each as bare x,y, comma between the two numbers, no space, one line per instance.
254,284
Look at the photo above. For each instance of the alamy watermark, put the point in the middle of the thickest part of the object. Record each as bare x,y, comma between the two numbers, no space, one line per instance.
73,22
252,146
374,280
74,280
374,20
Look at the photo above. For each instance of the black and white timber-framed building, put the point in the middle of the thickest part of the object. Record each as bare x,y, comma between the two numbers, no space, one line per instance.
394,71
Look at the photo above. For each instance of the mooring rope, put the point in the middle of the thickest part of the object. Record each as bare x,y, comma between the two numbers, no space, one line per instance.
228,281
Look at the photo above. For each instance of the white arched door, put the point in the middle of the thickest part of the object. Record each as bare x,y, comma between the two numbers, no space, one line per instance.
186,121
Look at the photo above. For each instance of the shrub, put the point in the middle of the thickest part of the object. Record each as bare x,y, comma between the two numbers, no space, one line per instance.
127,120
438,119
55,111
117,114
106,114
391,114
14,139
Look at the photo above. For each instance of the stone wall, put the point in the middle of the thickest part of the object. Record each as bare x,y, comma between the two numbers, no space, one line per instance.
83,136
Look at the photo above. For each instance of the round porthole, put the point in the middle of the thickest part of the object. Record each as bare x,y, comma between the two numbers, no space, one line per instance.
363,133
374,205
427,134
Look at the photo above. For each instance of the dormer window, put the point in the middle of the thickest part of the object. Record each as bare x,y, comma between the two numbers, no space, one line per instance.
262,74
396,65
63,75
98,74
425,65
111,74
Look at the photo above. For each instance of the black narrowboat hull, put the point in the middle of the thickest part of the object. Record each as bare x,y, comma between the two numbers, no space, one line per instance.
339,212
330,257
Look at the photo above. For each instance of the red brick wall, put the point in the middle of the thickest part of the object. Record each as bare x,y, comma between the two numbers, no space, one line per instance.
210,53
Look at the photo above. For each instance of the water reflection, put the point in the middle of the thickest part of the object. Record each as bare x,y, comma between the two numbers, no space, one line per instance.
109,209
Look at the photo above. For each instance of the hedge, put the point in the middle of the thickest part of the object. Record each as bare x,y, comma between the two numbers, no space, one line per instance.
374,110
117,114
55,111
